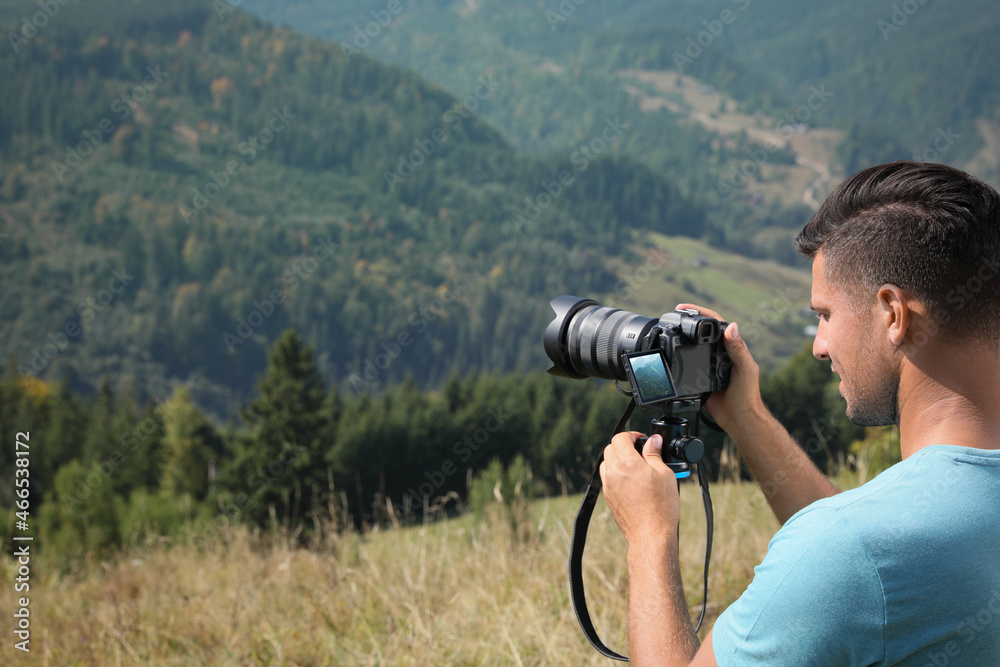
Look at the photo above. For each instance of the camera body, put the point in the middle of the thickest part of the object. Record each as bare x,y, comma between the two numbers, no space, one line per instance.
676,357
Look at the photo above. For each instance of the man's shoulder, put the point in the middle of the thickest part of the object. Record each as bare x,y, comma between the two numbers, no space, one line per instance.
936,478
938,506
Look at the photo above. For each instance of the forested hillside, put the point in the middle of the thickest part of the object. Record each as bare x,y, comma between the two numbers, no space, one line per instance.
896,73
180,184
565,77
111,470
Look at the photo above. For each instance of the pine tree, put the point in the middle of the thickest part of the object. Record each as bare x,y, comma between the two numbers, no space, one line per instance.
277,460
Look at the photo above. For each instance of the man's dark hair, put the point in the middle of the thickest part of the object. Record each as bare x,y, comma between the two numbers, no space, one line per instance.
927,228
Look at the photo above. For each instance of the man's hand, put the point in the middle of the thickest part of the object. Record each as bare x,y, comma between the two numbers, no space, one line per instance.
642,494
641,491
789,480
736,404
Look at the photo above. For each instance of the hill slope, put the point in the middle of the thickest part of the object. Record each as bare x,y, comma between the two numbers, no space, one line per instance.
179,186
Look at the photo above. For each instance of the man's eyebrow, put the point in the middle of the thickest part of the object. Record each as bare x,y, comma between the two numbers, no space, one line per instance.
817,309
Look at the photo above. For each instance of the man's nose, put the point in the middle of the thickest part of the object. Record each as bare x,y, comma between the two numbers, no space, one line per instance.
820,350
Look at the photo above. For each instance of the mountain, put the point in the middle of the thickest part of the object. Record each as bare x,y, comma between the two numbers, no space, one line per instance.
899,80
181,183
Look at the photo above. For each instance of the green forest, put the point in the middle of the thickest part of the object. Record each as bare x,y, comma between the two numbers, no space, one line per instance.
109,471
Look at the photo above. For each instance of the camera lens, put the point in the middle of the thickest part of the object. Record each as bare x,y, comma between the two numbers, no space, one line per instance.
587,340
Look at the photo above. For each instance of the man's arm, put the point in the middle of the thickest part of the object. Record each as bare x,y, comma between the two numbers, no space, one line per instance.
786,475
784,472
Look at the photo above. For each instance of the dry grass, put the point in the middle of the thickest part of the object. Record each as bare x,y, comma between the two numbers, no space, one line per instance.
455,592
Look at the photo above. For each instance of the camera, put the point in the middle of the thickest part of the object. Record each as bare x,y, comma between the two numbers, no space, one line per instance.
679,356
671,362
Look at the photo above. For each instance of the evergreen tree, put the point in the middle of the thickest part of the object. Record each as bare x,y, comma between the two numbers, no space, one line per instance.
277,461
99,440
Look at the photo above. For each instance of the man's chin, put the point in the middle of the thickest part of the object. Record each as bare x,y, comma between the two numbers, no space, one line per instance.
880,407
871,419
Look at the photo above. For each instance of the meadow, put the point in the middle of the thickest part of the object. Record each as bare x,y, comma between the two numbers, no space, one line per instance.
483,588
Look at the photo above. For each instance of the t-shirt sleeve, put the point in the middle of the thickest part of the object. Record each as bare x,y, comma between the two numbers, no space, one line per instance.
815,600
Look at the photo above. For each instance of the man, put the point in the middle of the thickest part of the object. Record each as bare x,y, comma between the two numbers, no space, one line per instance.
905,569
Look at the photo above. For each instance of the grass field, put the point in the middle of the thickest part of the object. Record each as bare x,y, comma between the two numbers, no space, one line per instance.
464,591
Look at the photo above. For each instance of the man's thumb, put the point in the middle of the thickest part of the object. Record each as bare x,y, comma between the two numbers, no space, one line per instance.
735,345
652,451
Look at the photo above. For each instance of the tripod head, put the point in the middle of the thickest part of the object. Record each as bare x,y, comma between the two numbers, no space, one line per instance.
681,447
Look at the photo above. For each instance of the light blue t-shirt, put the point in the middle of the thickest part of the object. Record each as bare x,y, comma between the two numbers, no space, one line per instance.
904,570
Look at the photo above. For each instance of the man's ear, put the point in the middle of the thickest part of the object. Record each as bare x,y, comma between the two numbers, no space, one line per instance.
895,312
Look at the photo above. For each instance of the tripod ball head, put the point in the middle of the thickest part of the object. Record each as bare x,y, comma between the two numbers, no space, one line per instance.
678,453
680,449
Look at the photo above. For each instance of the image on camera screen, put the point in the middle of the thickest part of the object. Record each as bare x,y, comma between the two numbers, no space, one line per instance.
649,376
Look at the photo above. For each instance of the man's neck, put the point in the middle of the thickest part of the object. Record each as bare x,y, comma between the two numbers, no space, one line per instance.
950,395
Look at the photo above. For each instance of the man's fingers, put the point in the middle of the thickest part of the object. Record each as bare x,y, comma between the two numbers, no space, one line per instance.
704,311
622,443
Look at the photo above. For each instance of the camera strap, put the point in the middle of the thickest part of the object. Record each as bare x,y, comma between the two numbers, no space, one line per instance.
580,527
582,524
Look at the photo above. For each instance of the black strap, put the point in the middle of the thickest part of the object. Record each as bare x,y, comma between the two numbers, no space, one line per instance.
706,500
581,525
